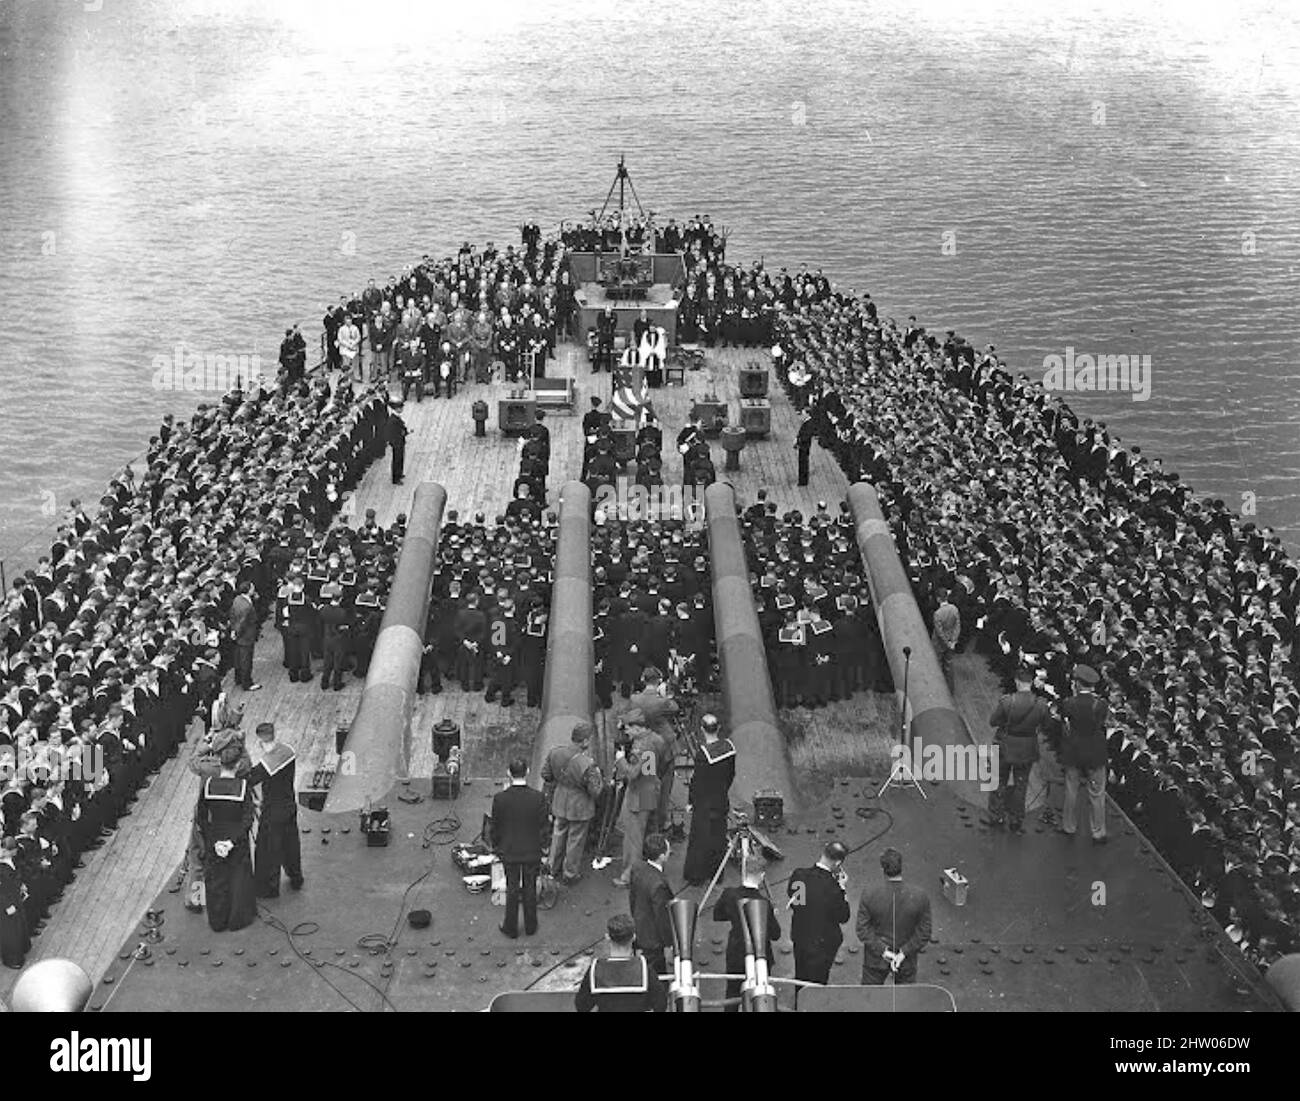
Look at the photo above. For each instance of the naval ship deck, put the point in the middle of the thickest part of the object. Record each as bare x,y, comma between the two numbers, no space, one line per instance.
1030,936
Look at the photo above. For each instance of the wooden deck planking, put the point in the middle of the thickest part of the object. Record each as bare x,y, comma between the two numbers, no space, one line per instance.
103,905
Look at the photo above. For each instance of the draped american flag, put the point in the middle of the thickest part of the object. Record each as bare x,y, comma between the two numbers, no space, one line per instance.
631,401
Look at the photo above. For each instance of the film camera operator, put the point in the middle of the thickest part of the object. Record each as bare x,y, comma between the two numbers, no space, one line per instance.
659,708
641,755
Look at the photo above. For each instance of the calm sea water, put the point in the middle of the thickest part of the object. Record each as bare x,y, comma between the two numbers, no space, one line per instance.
202,172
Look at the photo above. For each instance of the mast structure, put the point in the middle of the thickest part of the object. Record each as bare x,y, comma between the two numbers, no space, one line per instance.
623,181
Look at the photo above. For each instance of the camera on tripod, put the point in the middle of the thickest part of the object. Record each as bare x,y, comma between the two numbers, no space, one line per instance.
741,830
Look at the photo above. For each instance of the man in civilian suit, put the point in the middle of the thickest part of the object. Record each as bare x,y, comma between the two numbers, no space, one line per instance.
518,825
818,907
648,899
893,925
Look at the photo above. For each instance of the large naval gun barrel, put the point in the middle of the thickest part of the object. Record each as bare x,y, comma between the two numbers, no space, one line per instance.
746,687
378,736
569,688
934,718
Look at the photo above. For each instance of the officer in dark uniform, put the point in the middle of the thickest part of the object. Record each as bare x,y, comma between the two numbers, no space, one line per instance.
690,438
225,816
472,639
606,327
532,654
278,844
622,982
368,611
503,653
850,671
818,907
600,634
336,628
626,644
602,468
715,769
803,442
14,937
397,432
821,652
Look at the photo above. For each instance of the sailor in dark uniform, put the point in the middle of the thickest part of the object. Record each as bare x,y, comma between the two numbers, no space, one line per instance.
789,655
715,769
278,844
336,627
397,432
299,620
622,982
14,937
594,419
369,614
225,815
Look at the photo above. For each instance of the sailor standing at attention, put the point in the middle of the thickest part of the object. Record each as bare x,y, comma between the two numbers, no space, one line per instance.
397,433
715,769
14,937
278,844
225,816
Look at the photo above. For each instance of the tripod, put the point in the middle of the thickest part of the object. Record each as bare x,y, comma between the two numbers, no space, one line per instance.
901,773
733,848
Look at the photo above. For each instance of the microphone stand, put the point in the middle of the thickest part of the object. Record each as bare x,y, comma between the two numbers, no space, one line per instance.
902,774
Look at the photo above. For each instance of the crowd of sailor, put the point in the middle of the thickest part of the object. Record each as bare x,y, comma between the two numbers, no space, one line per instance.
814,606
114,640
1061,545
487,626
652,599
